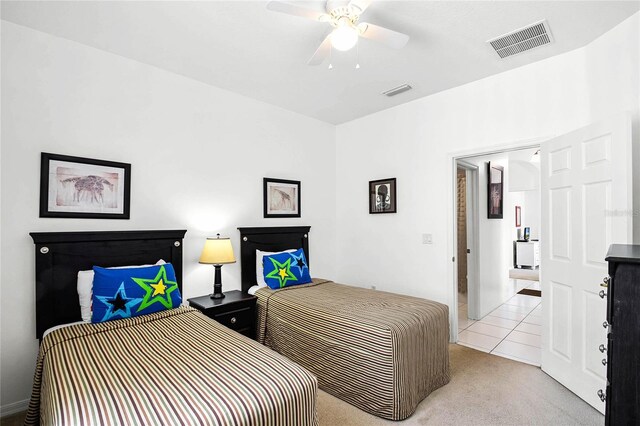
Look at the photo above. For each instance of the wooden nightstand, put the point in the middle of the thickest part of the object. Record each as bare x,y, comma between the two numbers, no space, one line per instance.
236,311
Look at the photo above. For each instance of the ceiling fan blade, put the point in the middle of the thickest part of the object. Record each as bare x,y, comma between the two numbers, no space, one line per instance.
383,35
321,52
361,5
292,9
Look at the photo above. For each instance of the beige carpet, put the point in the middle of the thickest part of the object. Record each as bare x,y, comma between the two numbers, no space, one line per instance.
484,390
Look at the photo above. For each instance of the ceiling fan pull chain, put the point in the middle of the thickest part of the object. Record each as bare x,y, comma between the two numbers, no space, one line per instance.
330,56
358,55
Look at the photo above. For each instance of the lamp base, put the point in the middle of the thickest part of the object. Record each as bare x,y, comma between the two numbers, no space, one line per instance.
217,283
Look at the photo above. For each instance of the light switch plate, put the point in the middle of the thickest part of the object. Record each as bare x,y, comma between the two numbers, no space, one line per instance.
427,239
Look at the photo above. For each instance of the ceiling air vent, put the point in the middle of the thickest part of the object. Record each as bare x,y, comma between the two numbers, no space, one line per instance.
397,90
518,41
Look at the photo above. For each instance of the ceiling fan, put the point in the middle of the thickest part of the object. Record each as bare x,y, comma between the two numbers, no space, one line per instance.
343,16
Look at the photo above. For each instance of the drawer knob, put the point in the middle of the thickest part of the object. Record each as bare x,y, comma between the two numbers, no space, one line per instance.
602,348
604,361
233,320
602,395
605,281
602,294
605,324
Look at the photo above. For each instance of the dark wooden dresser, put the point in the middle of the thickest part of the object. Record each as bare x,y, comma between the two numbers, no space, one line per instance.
623,343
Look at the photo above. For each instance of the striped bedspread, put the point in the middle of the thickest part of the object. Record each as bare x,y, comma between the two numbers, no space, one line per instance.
381,352
174,367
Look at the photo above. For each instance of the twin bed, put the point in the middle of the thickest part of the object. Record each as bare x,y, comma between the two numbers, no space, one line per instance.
170,367
378,351
381,352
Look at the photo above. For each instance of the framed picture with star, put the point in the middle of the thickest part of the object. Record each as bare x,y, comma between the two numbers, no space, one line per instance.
85,188
281,198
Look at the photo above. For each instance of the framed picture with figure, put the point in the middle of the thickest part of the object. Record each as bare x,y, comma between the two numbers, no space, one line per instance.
382,196
495,183
84,188
281,198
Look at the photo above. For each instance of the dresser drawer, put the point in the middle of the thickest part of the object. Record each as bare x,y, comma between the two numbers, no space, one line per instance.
236,320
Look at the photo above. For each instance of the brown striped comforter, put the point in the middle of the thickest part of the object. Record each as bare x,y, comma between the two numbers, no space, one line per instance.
381,352
174,368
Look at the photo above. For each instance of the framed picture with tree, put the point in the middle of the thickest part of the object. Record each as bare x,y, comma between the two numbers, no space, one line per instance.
382,196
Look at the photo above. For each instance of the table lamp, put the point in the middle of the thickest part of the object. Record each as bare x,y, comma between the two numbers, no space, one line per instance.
217,252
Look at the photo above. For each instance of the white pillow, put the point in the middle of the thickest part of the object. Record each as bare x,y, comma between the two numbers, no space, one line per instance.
85,288
260,267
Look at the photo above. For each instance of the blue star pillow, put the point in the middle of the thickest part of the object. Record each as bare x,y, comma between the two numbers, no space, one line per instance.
131,292
286,269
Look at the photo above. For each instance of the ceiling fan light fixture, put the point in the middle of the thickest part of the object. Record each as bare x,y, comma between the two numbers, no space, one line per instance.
344,37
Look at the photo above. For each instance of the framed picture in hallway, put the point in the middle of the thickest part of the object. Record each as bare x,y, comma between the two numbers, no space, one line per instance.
382,196
83,188
518,217
281,198
495,183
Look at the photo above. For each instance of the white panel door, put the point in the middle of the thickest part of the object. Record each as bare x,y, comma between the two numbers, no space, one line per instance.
586,205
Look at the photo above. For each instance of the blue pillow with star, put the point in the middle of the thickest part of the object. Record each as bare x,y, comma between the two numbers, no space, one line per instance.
286,269
131,292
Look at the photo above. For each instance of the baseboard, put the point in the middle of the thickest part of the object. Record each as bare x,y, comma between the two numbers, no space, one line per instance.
14,407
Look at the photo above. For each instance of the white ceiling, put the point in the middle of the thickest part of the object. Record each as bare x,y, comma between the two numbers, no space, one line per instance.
242,47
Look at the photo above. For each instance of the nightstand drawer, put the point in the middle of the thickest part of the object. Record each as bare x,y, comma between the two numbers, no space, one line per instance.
236,311
236,320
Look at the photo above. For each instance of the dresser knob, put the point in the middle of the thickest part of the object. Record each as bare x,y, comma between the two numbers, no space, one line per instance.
602,348
602,395
233,320
602,294
605,282
604,361
605,324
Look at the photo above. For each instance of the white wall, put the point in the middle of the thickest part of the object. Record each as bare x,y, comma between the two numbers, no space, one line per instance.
531,211
524,182
415,141
613,61
496,236
198,157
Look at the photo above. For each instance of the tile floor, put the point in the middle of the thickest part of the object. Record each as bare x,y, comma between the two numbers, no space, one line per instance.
511,331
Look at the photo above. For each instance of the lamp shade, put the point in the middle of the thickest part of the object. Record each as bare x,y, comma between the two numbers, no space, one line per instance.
217,251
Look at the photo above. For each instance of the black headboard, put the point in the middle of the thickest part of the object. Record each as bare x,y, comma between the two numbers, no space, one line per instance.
275,238
60,255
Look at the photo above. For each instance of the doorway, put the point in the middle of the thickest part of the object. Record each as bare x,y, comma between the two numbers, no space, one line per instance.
498,292
585,175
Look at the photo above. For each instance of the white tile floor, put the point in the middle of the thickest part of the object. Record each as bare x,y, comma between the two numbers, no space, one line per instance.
511,331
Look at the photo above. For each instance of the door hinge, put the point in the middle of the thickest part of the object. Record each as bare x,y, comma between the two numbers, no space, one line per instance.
453,259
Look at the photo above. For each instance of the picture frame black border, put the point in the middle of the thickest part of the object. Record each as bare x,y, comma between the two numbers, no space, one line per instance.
45,159
394,192
501,169
265,181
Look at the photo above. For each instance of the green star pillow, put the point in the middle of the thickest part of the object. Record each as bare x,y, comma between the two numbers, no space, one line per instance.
286,269
130,292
